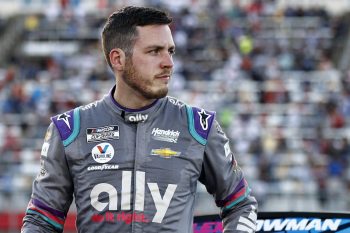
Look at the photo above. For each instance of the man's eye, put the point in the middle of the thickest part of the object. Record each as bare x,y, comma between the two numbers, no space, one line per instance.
171,52
155,52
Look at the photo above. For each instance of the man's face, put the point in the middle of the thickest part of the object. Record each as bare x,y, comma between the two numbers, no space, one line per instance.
148,70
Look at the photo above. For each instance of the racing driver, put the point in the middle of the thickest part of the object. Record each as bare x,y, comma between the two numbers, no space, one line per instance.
132,160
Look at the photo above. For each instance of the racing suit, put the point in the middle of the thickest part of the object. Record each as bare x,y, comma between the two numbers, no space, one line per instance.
136,170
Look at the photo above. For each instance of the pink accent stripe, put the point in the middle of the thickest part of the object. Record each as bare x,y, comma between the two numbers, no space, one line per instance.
236,196
50,216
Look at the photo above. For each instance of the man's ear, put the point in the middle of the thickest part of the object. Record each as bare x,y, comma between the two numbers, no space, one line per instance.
117,59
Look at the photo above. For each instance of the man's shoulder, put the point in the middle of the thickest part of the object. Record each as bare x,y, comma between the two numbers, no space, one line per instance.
199,120
73,113
191,110
68,123
90,106
176,103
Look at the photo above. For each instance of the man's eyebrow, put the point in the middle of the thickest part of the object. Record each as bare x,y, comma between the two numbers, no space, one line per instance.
158,47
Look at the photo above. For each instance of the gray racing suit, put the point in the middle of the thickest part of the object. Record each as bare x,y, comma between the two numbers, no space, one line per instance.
136,170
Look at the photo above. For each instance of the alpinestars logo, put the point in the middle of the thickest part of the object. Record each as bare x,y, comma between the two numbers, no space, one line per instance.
64,117
165,135
204,117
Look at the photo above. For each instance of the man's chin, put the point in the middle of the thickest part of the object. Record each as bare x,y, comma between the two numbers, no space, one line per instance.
157,95
161,95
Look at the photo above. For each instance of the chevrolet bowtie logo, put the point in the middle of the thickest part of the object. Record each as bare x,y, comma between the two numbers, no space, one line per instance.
165,152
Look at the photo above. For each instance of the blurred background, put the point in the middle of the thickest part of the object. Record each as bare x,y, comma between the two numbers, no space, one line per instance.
277,73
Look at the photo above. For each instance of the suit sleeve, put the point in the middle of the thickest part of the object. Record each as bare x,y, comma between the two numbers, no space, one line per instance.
224,179
52,191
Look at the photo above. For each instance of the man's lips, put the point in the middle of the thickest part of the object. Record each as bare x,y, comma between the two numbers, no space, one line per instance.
163,76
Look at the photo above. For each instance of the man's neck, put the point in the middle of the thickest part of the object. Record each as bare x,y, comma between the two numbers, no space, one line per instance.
131,99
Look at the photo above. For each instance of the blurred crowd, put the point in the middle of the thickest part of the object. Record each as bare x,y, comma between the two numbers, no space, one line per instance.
270,74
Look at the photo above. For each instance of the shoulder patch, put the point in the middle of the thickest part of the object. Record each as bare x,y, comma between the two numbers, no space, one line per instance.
68,125
199,123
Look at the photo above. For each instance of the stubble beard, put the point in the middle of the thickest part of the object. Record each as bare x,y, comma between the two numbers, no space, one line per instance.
141,85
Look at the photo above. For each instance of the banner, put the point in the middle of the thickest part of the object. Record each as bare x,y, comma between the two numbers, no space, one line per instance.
273,222
284,222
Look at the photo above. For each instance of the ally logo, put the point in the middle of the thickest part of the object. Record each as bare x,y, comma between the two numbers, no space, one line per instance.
103,152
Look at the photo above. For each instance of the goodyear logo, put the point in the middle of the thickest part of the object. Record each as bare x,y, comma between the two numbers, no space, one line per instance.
165,152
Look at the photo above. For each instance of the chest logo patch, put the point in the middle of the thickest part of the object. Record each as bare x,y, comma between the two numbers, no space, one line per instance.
102,133
165,135
103,152
165,152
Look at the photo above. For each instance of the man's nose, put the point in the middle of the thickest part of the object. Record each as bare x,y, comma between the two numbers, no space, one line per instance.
167,61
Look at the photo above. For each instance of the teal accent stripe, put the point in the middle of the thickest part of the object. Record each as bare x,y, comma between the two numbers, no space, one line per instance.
70,139
237,200
55,224
191,127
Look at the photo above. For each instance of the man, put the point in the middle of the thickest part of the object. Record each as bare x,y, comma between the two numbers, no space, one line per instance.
132,160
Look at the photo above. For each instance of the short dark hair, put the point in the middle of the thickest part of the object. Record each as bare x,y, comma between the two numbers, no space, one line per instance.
120,28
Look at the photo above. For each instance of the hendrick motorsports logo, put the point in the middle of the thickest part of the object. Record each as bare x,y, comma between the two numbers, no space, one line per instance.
165,135
103,152
102,134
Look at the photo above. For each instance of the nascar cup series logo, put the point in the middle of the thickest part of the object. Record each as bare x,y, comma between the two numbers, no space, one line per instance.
102,134
103,152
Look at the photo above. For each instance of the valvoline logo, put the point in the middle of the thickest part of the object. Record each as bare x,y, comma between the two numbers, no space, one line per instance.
103,152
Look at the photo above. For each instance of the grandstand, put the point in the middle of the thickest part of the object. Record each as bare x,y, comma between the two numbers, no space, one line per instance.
276,72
